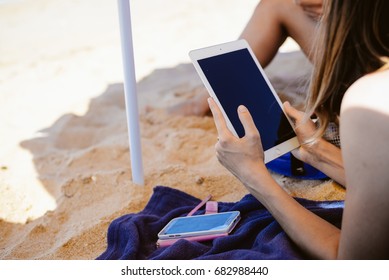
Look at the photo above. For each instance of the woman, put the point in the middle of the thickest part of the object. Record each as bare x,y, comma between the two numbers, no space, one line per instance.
353,59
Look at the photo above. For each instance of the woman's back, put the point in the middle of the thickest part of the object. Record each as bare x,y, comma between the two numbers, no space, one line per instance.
365,135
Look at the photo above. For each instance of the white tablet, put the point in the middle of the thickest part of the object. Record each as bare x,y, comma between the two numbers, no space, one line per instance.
233,77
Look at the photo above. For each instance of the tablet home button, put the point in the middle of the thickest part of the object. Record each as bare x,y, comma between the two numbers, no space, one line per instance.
278,152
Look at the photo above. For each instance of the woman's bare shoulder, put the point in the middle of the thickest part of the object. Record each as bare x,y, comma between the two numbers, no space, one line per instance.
364,130
369,92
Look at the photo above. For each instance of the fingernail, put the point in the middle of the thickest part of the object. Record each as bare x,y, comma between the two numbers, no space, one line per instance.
242,109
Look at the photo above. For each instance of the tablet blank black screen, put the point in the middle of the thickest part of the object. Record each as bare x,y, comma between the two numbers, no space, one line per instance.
236,80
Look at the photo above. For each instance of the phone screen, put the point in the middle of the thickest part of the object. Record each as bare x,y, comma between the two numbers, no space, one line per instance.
236,80
212,222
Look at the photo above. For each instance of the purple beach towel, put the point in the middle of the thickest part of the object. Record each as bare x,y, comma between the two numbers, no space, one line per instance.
257,236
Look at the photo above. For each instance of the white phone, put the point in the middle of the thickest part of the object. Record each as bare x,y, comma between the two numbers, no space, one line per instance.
202,225
233,76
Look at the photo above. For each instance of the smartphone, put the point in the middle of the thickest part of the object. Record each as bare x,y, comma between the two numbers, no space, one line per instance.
168,242
218,224
233,76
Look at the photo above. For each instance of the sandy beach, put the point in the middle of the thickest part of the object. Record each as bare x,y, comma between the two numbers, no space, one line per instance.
65,169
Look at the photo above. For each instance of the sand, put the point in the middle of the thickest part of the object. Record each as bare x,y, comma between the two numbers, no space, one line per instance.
65,169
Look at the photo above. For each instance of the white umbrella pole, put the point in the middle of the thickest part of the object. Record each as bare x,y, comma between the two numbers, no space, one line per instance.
130,92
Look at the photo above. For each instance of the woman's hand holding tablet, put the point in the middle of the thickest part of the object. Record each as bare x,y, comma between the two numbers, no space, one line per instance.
233,77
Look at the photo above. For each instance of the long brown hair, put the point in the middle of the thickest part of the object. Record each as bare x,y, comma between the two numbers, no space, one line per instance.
353,41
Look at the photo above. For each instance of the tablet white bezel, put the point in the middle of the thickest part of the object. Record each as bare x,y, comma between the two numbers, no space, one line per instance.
228,47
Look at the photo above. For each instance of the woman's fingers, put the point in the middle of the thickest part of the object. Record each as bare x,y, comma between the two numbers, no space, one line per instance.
219,120
293,113
247,121
225,135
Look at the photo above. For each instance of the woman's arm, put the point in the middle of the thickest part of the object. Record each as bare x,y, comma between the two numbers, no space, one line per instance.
313,8
321,154
312,234
325,157
243,157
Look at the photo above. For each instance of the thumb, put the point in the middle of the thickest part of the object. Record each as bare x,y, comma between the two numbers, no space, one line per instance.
292,112
247,121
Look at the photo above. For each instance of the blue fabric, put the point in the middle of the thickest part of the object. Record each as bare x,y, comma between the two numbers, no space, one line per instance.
257,236
282,165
